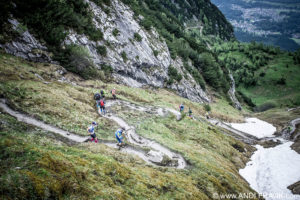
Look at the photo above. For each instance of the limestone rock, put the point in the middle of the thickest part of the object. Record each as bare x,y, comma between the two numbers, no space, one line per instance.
141,67
26,46
231,94
295,188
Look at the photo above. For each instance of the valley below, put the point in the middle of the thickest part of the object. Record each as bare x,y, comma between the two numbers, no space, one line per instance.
272,22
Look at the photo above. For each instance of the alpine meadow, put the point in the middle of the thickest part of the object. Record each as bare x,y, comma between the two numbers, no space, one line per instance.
149,99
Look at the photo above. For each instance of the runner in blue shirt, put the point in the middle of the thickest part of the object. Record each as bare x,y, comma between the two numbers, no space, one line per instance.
91,131
119,136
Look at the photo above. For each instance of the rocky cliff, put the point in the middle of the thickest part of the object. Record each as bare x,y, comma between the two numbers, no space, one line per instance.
137,56
231,94
140,67
25,45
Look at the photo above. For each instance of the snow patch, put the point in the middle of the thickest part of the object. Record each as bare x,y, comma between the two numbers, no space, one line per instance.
272,170
256,127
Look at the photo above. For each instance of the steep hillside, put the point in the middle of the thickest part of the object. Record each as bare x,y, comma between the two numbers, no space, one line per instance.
157,54
136,43
265,76
53,169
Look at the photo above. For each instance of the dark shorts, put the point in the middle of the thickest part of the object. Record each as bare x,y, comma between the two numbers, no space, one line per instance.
103,107
119,139
93,135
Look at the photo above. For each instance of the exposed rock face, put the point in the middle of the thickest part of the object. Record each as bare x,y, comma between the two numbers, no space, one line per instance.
141,67
146,63
26,46
295,188
231,93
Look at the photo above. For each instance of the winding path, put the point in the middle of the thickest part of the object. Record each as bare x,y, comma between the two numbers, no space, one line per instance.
245,137
158,155
148,109
158,152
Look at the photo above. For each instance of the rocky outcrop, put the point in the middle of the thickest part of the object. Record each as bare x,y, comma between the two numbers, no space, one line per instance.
26,46
231,94
135,62
295,188
142,66
289,132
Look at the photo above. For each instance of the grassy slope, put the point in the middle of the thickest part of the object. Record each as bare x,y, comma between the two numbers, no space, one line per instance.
91,171
267,88
279,116
50,169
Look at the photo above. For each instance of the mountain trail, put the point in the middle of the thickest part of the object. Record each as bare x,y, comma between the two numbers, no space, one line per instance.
158,155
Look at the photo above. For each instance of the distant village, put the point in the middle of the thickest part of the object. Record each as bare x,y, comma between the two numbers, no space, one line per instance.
252,15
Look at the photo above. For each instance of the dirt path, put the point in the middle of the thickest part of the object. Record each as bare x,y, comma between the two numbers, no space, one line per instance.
245,137
29,120
148,109
158,155
269,141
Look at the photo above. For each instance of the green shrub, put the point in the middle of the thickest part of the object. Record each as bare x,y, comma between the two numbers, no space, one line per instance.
211,70
155,53
173,74
79,61
21,28
147,24
207,107
124,56
196,75
50,19
185,75
107,69
95,34
246,99
172,71
137,37
115,32
262,74
2,39
264,107
170,81
5,12
100,2
296,57
281,81
101,50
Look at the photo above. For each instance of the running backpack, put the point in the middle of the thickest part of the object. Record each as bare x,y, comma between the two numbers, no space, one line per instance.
101,103
97,96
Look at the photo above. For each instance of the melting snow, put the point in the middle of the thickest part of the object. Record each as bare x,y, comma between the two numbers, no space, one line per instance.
272,170
256,127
